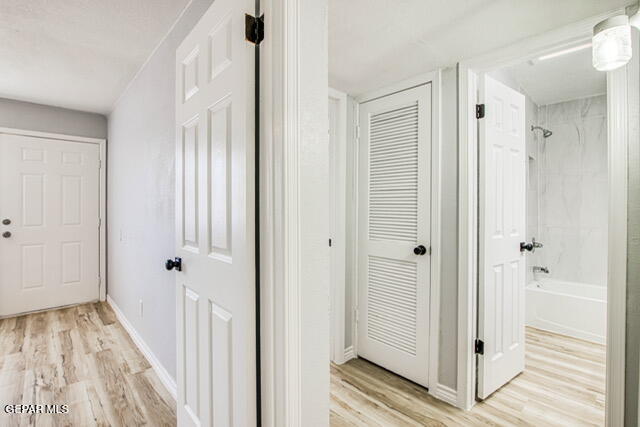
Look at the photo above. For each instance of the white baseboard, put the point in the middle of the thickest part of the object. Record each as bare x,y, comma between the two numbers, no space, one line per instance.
446,394
166,378
349,353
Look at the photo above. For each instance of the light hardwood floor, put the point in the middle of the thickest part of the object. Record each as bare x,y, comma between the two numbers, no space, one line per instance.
80,356
563,384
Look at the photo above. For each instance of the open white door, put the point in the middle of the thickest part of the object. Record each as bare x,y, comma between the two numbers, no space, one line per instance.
394,232
216,336
502,195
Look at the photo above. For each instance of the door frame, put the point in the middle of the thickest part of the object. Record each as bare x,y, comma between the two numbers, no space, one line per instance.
294,306
434,78
468,74
338,232
102,144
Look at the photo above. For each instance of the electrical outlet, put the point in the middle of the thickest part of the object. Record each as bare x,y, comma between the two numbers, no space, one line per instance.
141,311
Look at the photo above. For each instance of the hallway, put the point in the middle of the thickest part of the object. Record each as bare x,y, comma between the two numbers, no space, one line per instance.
563,384
83,357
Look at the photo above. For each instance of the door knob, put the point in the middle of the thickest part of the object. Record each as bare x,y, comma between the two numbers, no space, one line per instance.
176,263
6,234
6,221
531,247
420,250
526,247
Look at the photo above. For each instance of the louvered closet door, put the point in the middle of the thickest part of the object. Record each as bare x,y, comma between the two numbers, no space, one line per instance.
394,218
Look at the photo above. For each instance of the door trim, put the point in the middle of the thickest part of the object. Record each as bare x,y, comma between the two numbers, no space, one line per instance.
468,72
435,388
102,144
338,233
294,307
618,131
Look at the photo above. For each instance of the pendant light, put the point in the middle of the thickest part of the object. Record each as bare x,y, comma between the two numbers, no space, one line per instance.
612,43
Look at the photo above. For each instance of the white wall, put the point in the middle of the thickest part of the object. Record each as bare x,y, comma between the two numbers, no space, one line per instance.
448,363
44,118
351,224
313,197
141,196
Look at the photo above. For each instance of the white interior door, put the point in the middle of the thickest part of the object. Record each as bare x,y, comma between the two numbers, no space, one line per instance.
216,346
394,220
49,213
502,227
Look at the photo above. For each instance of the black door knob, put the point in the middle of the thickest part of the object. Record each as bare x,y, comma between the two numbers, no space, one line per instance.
526,247
176,263
420,250
6,234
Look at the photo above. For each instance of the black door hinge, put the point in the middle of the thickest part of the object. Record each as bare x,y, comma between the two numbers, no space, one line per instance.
254,28
479,111
479,347
330,242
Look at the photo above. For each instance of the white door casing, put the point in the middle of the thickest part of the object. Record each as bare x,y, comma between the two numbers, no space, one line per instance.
338,228
394,218
50,193
333,132
502,193
215,137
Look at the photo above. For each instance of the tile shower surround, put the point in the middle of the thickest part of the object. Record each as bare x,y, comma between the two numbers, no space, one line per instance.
567,204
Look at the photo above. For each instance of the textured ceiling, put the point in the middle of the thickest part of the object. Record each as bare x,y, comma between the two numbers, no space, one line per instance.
78,54
374,43
81,54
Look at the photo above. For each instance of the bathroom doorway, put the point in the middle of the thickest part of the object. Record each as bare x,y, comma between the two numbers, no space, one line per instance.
542,310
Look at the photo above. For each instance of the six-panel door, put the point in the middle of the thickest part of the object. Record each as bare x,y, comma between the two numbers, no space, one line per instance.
502,228
215,220
50,204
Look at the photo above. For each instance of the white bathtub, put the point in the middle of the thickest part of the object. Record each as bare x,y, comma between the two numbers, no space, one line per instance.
573,309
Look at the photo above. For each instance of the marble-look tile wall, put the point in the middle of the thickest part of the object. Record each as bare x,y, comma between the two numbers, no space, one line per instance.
572,191
531,114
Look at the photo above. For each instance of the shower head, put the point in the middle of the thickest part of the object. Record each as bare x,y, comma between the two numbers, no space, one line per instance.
546,133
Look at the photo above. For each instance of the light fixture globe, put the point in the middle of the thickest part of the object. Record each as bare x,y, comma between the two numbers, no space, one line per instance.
612,43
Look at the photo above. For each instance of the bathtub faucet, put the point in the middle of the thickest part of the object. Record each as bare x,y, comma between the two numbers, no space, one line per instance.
538,269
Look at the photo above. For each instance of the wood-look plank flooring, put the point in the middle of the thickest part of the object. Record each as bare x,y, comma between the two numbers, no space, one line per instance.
563,384
83,357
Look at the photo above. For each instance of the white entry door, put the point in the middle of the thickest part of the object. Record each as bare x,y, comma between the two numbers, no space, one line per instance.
502,228
49,219
394,232
216,336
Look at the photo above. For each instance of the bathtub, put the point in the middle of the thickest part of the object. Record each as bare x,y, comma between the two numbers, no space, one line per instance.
566,308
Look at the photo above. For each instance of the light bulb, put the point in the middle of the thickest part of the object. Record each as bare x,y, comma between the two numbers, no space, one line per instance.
612,43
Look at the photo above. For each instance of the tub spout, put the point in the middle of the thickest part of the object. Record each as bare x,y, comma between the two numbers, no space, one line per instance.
538,269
